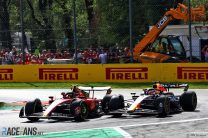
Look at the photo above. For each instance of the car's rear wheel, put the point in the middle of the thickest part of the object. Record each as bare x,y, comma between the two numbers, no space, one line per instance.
33,107
79,110
188,101
163,106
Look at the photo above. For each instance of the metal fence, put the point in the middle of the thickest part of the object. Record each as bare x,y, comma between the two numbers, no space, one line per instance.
50,25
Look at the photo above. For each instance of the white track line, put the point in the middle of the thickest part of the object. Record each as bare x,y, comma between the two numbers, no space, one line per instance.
127,135
122,132
161,123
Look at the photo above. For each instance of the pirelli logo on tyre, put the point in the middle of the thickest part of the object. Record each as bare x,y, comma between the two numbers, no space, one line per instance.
131,73
58,74
6,74
192,73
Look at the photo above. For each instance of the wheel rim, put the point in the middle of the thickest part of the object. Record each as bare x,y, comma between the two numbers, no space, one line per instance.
84,109
167,106
77,110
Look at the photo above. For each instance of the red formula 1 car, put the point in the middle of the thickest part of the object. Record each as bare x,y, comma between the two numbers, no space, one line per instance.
78,104
156,100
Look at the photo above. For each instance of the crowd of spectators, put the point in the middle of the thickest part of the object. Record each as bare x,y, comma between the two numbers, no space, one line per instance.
83,56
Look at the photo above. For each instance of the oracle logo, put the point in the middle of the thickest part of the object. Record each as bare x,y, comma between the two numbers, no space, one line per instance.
132,73
58,74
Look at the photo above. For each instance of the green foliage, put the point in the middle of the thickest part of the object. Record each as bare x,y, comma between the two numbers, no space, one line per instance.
49,24
196,3
113,21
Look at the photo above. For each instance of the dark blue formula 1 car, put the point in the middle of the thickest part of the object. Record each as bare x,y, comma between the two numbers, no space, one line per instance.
156,100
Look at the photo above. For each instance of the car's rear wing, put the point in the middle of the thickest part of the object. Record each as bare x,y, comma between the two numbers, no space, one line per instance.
94,88
176,85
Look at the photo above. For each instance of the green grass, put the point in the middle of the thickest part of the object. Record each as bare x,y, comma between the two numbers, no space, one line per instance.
10,107
3,85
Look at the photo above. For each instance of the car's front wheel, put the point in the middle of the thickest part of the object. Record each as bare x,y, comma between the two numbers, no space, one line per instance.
31,108
79,110
163,106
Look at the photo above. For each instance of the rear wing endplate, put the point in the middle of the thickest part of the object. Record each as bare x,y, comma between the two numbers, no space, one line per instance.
176,85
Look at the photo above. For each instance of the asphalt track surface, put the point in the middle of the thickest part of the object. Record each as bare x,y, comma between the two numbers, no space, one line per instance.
181,125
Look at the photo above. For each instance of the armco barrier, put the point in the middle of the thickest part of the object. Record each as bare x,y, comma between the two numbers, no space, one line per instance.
170,72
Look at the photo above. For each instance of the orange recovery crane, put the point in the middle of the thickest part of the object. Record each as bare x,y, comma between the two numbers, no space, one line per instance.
148,49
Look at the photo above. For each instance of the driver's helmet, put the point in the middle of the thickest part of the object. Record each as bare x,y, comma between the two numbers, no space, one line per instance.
75,89
109,91
159,87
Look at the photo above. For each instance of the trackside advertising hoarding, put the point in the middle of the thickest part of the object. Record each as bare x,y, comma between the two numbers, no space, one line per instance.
170,72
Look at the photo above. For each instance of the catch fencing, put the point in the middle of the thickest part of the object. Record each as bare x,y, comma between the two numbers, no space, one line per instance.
50,24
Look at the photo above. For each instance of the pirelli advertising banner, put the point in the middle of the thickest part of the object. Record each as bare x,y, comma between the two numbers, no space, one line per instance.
170,72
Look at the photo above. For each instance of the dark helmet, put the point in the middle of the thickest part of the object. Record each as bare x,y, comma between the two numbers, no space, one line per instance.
109,91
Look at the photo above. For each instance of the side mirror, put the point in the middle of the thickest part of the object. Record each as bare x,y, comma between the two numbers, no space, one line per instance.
51,99
133,94
154,86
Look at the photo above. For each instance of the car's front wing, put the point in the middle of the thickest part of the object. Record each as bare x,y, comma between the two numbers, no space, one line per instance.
52,116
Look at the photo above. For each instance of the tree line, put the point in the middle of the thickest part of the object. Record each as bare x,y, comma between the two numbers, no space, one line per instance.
99,22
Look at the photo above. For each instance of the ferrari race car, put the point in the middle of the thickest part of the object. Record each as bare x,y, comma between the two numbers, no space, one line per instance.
157,100
78,104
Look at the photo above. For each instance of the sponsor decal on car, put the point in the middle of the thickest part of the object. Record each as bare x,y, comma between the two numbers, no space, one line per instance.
131,73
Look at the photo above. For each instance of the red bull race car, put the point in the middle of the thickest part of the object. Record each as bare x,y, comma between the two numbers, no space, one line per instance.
156,100
79,104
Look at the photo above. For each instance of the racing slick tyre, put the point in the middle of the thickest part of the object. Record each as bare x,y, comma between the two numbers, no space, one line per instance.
105,103
33,107
188,101
79,110
112,102
21,113
116,102
163,106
